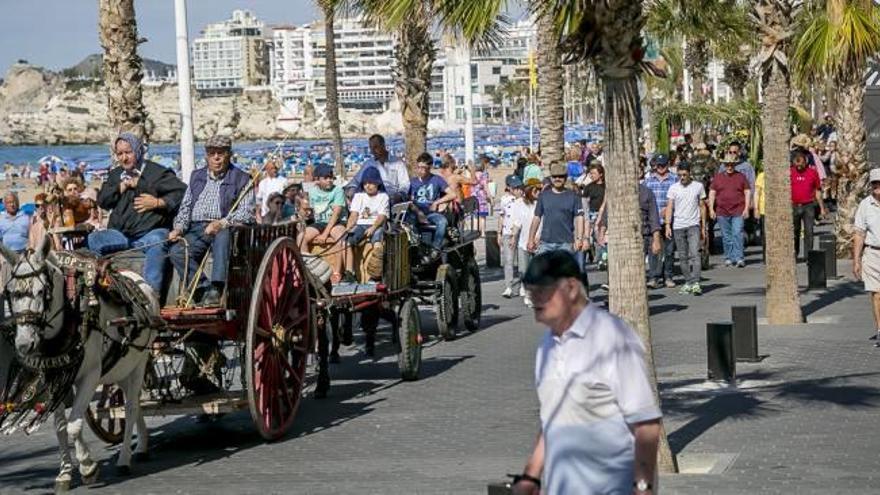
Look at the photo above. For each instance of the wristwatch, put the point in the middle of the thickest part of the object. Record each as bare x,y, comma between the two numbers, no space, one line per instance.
642,485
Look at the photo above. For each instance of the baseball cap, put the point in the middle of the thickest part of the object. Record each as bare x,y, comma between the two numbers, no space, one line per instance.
660,159
874,175
513,181
549,267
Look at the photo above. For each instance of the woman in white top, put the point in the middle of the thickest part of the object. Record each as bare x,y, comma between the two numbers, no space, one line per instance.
269,184
523,212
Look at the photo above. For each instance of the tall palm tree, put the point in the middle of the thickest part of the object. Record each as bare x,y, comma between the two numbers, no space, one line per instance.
551,113
606,33
328,8
122,66
838,39
774,21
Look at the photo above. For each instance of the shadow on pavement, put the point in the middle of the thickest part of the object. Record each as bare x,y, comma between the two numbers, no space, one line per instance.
746,404
665,308
831,296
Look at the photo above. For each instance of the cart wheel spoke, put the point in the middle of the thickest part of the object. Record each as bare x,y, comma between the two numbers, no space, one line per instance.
279,311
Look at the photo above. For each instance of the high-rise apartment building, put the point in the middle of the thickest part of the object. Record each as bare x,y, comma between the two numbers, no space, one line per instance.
364,64
231,55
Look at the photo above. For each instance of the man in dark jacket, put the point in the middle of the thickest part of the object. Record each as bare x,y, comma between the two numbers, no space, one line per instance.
210,205
143,198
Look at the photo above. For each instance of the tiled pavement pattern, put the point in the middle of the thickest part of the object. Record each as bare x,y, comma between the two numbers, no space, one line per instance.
804,420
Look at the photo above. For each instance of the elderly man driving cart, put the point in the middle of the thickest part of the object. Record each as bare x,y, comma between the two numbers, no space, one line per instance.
218,196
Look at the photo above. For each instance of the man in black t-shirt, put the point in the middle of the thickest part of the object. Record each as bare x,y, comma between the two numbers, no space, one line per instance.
562,214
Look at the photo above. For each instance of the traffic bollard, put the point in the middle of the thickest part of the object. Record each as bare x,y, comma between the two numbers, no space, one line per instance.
745,333
816,274
828,244
493,249
720,352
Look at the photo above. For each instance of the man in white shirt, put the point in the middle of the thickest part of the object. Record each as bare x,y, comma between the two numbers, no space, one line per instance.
686,223
600,423
269,184
866,247
394,173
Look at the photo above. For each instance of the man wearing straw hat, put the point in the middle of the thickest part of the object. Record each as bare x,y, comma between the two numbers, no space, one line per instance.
219,195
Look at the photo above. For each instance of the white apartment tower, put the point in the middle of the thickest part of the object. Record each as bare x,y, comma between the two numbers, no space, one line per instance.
230,55
364,61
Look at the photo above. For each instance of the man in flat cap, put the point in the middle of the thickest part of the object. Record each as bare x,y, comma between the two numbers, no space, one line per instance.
210,206
600,422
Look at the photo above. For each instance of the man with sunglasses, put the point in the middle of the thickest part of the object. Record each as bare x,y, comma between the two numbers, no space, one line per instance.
600,422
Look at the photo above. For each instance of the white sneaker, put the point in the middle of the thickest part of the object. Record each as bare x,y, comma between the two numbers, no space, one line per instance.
522,291
508,292
527,301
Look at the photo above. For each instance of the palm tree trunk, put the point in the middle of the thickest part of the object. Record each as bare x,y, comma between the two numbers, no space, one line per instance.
551,111
783,302
122,66
415,57
628,296
851,163
332,107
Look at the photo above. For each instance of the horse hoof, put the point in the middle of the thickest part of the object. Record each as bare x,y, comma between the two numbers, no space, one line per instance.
88,479
141,456
123,470
62,486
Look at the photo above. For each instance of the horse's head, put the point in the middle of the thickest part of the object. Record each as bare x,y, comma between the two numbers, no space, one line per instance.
35,293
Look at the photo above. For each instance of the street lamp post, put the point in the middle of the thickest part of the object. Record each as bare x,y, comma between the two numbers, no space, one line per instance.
187,152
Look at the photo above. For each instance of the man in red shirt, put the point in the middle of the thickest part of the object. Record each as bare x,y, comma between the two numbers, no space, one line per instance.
806,191
729,197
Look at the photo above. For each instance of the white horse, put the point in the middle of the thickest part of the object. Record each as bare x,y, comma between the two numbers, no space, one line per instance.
37,287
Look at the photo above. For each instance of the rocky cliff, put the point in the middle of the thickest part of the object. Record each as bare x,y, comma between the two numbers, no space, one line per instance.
40,107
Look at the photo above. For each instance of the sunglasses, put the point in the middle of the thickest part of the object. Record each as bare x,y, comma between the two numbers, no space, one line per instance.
559,176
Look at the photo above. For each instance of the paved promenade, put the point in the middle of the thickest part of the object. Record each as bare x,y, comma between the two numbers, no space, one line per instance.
803,420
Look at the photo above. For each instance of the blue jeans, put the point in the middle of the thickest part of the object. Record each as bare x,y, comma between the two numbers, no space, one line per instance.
660,265
199,243
438,220
732,235
359,232
109,241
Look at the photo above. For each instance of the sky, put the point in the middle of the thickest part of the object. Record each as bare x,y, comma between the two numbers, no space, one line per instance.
60,33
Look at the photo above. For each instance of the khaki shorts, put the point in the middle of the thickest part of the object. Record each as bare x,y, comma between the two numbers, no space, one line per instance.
871,269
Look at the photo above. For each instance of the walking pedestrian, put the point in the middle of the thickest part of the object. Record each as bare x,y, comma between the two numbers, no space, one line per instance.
659,182
729,198
600,422
522,215
507,227
686,224
560,214
866,247
806,193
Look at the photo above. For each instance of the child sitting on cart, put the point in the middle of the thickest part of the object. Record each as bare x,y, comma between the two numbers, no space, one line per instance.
327,201
369,211
429,193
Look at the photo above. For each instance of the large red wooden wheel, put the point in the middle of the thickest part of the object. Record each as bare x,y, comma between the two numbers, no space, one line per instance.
278,340
104,426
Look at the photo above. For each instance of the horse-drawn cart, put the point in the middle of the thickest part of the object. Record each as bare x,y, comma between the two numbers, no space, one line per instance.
268,325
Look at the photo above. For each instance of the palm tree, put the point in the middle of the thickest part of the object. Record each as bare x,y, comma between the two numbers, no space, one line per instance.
706,26
328,8
608,33
774,19
551,113
838,39
122,66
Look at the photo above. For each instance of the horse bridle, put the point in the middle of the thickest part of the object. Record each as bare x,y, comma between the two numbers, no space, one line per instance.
30,317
